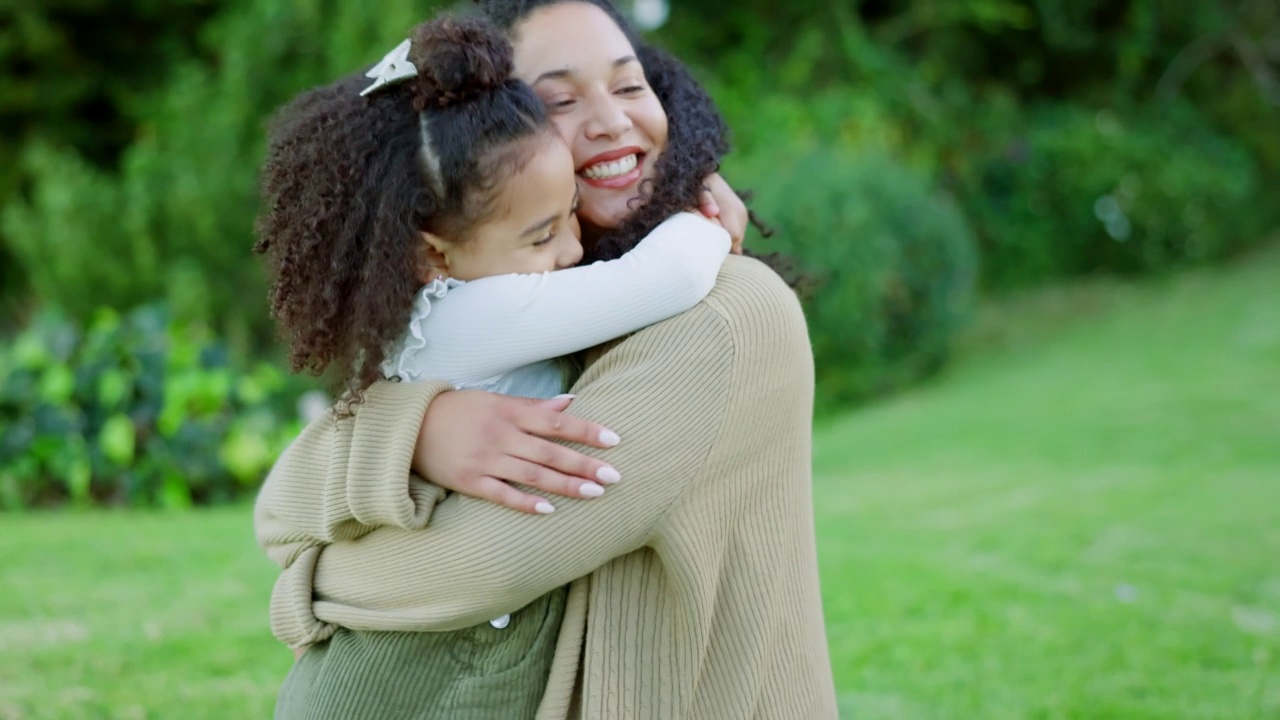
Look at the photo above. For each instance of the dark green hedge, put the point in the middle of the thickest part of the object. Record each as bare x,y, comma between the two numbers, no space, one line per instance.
1067,192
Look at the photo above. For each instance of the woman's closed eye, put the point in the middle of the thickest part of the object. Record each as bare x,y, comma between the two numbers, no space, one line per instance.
544,240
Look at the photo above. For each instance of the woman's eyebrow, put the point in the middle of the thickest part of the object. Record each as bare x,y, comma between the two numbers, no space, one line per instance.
553,75
563,73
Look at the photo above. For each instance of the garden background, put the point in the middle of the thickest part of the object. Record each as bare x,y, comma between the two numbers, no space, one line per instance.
1045,313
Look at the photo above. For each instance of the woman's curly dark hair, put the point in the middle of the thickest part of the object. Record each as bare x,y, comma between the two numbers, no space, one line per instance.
697,136
351,182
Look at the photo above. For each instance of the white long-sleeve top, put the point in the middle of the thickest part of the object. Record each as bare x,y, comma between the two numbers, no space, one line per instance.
505,333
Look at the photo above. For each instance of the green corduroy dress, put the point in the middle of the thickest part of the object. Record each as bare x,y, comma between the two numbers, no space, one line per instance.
480,673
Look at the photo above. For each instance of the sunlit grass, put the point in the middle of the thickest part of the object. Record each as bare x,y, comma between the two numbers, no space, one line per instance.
133,615
1080,520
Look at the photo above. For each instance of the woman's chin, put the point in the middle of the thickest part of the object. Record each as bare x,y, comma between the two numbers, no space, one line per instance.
604,213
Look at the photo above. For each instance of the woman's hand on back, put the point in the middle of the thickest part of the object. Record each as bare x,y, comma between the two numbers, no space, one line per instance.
719,202
478,444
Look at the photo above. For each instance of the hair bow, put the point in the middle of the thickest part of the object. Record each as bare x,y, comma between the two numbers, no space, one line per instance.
393,68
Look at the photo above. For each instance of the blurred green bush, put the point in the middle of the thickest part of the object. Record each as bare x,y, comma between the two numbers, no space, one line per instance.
1081,137
1063,191
135,410
892,263
172,217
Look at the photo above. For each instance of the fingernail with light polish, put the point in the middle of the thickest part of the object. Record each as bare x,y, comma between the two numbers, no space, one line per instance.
609,438
545,508
608,475
590,489
565,396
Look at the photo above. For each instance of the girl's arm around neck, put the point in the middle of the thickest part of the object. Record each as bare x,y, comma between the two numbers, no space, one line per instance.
496,324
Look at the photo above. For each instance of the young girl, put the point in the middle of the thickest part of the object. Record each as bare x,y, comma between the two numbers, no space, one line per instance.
439,203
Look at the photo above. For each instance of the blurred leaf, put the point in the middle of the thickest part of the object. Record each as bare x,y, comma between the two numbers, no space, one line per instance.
56,384
69,460
113,386
29,352
117,439
247,456
11,497
174,493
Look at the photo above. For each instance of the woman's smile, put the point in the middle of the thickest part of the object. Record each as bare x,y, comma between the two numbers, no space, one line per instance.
599,100
614,169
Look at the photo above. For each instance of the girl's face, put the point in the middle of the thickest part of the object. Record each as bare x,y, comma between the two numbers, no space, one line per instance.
532,229
585,70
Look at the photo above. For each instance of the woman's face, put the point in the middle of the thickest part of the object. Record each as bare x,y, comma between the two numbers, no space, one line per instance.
583,67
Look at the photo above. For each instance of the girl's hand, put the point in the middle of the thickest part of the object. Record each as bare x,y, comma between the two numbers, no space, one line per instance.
478,444
719,202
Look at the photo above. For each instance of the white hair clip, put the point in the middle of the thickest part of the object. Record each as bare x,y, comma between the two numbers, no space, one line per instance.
393,68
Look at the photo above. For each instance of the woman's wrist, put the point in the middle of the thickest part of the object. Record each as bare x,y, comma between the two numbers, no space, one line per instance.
478,443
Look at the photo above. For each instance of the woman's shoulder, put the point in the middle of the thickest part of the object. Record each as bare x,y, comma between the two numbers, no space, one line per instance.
748,292
750,310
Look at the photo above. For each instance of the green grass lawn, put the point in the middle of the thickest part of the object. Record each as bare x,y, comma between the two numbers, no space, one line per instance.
1080,520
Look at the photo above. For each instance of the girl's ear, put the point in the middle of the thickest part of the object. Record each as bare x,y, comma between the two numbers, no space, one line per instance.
432,263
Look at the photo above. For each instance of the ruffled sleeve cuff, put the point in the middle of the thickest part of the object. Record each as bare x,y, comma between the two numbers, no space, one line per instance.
403,363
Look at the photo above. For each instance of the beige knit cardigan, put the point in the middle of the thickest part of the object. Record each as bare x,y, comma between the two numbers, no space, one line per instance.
695,580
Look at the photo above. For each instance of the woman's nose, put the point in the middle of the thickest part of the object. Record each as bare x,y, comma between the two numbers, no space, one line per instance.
608,119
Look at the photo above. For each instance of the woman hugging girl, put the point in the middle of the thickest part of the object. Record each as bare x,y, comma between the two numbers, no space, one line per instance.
423,227
419,224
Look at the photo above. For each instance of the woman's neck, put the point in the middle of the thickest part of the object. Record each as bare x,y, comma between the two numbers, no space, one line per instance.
590,235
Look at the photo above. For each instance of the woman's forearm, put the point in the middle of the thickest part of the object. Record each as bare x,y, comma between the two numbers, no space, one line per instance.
665,391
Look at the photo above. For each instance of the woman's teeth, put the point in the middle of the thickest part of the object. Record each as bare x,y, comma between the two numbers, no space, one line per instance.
611,169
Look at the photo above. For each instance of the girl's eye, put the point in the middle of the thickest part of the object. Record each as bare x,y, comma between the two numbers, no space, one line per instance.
543,241
631,90
559,103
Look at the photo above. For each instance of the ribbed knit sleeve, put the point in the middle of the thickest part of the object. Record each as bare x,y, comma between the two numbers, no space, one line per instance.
344,476
663,390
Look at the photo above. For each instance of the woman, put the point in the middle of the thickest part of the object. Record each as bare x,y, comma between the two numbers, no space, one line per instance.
695,590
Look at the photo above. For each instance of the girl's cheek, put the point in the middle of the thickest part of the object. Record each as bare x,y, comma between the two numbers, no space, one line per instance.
567,126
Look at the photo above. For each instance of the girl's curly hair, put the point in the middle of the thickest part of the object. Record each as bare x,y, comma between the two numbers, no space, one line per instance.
351,182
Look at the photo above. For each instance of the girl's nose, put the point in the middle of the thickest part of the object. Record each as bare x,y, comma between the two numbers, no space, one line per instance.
571,256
